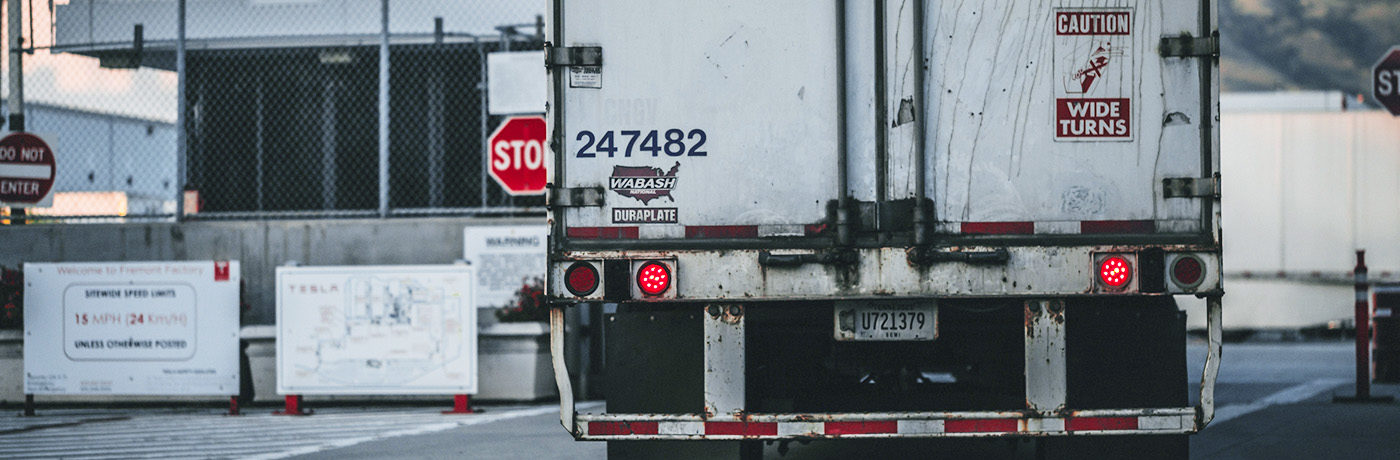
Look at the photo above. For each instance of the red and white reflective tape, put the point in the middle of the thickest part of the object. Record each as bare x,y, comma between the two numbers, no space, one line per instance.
602,233
701,231
1088,227
775,426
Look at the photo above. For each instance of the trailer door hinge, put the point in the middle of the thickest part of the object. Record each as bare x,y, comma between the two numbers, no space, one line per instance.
1185,46
571,56
1191,187
576,197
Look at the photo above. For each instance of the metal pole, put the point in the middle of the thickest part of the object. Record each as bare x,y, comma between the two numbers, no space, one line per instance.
483,118
181,136
920,161
843,218
384,109
16,42
882,119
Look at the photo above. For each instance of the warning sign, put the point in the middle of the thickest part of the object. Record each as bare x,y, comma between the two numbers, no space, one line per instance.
1094,74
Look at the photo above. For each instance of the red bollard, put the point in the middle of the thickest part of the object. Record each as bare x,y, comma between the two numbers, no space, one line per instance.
1363,337
1363,330
293,407
233,406
460,405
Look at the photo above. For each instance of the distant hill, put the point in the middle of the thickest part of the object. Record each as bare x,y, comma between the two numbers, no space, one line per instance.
1269,45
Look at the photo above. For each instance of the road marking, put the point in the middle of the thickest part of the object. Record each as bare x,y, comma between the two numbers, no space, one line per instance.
262,436
1290,395
477,420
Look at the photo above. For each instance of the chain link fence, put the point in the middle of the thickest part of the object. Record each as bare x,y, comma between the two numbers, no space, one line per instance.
282,108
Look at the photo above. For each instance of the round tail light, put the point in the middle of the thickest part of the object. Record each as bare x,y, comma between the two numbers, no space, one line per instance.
1115,272
653,278
1188,271
581,279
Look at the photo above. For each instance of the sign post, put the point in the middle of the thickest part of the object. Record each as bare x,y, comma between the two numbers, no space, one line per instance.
1385,80
518,157
27,171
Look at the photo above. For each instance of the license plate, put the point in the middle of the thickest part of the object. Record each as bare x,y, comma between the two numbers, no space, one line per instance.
886,321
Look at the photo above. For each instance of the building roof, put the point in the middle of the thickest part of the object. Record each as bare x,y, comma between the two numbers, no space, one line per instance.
107,28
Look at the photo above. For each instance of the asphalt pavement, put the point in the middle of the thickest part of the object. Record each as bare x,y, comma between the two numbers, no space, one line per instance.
1274,401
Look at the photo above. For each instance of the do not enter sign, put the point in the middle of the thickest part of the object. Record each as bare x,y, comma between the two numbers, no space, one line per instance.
1386,81
518,155
26,171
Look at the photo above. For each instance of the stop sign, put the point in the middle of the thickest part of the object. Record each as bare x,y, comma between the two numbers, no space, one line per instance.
518,157
26,170
1385,80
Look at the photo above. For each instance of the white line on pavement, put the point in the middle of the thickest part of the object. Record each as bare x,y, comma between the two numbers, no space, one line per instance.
433,428
1288,395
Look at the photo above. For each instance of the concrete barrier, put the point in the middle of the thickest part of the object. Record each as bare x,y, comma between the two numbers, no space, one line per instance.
11,366
260,246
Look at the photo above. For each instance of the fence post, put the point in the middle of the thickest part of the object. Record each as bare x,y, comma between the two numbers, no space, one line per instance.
16,44
181,105
384,109
485,118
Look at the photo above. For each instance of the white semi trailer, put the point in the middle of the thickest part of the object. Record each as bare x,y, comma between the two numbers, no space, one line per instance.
888,219
1307,189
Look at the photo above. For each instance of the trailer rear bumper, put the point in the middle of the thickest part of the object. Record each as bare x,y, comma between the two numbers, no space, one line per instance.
734,424
625,427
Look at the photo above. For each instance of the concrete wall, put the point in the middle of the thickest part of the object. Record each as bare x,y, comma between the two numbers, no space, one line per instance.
260,245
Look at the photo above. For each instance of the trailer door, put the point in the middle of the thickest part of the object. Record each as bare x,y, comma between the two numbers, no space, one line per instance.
1063,117
705,119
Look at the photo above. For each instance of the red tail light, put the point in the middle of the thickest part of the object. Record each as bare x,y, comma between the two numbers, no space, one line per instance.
581,279
1115,272
653,278
1188,271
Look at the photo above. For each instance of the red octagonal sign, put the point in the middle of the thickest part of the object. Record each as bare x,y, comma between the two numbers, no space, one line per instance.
518,156
26,169
1385,80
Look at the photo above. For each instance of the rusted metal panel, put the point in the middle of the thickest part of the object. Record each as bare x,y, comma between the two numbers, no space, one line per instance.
1045,355
724,359
1030,271
1212,366
561,372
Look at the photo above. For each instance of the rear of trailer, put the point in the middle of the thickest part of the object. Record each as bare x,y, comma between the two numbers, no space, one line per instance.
891,219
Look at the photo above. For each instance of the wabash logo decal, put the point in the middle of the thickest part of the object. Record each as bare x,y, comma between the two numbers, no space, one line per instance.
1093,63
644,183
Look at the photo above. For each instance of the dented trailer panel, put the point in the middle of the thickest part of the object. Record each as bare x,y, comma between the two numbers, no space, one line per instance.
729,119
